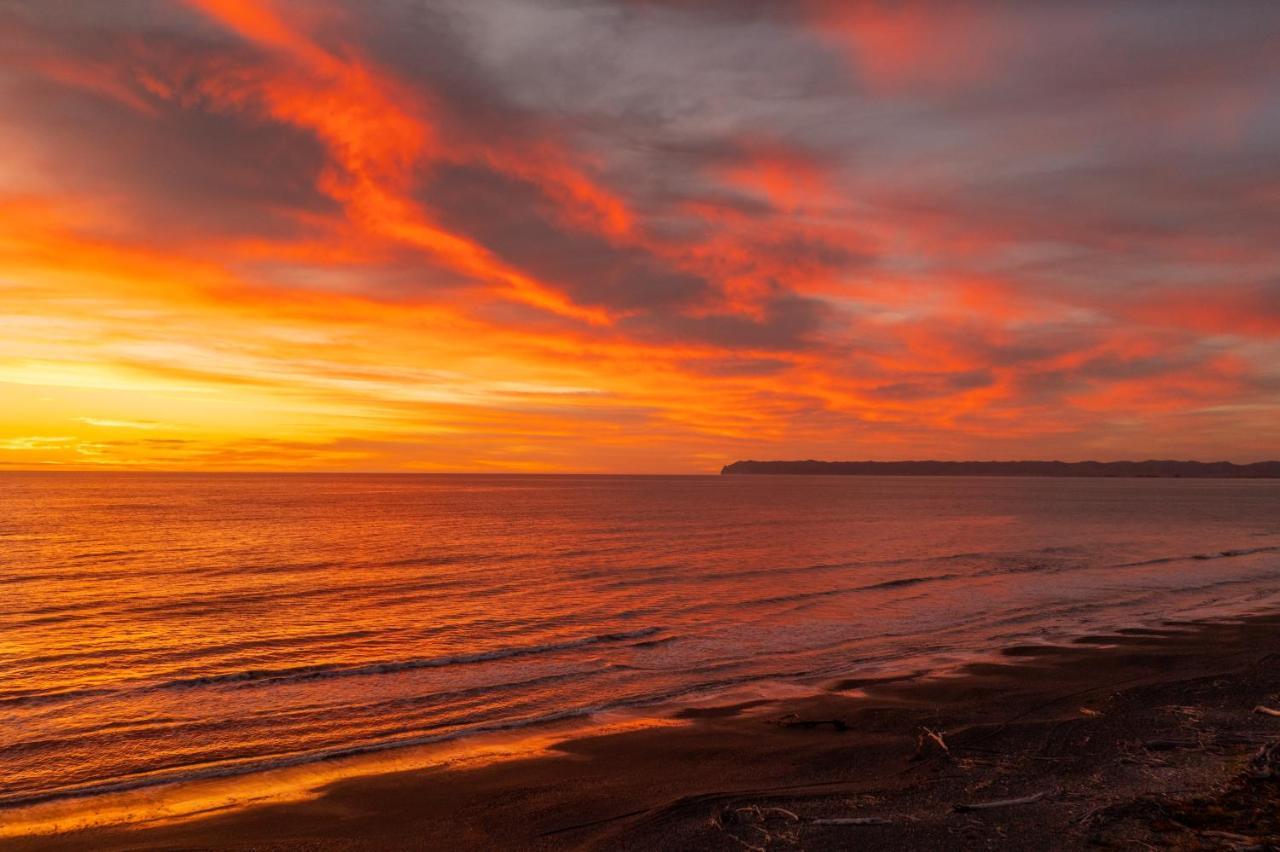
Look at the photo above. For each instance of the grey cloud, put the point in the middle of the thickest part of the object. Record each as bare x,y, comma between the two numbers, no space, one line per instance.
790,323
185,172
513,219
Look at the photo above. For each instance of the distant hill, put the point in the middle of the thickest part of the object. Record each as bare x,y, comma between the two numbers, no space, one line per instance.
1153,468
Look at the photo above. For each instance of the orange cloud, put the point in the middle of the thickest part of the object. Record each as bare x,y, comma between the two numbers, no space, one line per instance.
375,140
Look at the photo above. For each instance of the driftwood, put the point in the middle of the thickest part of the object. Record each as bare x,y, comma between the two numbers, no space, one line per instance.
1266,711
999,803
1229,836
754,818
929,743
756,814
851,821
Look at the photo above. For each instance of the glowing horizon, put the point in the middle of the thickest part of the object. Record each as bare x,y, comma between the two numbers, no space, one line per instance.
635,236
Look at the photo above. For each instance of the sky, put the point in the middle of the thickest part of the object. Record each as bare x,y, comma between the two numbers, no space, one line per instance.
635,235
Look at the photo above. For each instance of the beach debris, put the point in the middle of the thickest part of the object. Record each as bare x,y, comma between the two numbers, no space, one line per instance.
1231,837
1265,762
1090,712
791,720
852,821
755,814
964,807
930,743
1266,711
754,827
1089,815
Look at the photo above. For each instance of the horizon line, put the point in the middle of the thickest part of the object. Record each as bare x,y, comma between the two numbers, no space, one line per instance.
714,472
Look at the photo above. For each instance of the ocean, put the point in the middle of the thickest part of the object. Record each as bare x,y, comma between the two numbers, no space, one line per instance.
157,628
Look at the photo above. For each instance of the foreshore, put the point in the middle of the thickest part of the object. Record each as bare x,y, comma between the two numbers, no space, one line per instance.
1137,739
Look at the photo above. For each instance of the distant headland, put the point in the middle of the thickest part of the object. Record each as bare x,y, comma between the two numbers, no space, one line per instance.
1151,468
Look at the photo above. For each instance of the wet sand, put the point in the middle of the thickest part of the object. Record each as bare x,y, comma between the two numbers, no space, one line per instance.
1144,738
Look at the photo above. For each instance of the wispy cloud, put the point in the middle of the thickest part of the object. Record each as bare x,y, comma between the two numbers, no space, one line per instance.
36,442
108,423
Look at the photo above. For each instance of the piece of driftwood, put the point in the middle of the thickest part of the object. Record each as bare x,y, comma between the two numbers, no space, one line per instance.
1266,711
754,818
930,743
851,821
1229,836
756,814
964,807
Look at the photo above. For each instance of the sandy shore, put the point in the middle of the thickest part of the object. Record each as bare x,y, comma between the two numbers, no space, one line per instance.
1141,739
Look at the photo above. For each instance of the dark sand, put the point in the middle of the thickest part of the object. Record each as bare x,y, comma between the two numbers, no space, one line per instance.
1144,739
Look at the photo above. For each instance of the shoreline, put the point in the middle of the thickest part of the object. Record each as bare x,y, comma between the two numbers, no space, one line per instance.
221,790
1090,728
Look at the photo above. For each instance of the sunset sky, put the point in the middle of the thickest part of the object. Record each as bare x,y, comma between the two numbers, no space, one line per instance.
635,235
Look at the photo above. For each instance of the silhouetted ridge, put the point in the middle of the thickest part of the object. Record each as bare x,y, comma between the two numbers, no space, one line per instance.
1151,468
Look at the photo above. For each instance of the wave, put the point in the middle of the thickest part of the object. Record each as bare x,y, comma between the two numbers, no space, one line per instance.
907,581
211,603
1036,567
1032,567
92,659
1221,554
326,671
653,643
303,673
101,554
246,765
669,573
896,583
99,734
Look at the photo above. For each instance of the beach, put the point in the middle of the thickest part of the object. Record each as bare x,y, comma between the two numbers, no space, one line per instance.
1133,739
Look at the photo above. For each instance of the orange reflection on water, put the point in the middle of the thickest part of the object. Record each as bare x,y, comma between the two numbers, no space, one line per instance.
190,800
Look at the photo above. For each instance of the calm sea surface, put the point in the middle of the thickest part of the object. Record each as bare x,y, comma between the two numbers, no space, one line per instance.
162,627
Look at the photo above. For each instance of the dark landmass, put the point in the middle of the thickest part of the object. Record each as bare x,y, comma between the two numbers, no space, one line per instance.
1152,468
1141,739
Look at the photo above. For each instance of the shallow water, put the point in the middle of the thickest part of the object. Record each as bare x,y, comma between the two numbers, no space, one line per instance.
165,627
